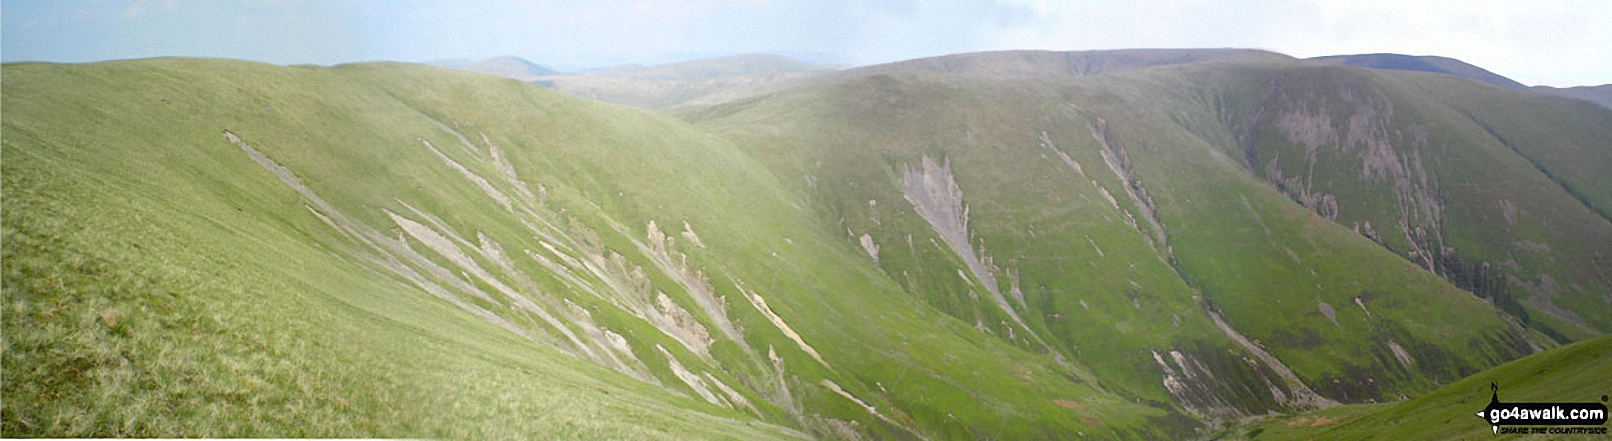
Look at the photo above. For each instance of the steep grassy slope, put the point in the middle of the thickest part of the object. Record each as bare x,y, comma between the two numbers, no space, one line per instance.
998,245
159,282
217,248
868,151
1573,373
1505,193
1115,221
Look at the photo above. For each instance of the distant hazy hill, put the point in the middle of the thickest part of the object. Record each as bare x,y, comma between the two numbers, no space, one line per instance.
719,80
1600,95
1028,63
712,68
513,67
1433,64
697,82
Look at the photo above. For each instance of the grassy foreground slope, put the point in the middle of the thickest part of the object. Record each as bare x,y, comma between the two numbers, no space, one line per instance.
1571,373
219,248
158,282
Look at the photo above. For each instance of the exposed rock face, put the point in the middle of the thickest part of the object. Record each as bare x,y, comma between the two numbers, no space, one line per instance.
1347,140
1074,165
1192,385
1119,161
1350,127
675,265
469,274
1403,357
1301,396
692,380
934,194
761,305
1326,310
870,246
688,233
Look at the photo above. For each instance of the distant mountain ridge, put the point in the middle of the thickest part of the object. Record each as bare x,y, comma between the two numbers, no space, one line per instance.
1033,63
706,68
710,81
1600,95
718,80
1443,65
509,66
714,80
695,82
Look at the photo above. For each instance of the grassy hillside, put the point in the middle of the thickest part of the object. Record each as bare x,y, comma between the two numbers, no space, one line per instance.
1155,245
1573,373
1502,192
217,248
158,282
1112,218
713,81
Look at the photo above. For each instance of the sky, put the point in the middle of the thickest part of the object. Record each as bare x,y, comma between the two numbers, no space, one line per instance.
1551,42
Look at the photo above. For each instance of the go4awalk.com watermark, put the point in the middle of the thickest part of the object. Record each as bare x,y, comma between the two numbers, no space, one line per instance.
1544,418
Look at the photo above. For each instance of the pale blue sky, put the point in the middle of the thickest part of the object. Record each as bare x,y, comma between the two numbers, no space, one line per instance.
1554,42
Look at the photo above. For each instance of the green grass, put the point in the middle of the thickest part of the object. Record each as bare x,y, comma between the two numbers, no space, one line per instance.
1240,245
1518,179
159,282
1572,373
125,200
